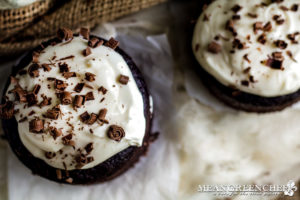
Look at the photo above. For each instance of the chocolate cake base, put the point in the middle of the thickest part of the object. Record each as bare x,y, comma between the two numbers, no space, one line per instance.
106,170
231,96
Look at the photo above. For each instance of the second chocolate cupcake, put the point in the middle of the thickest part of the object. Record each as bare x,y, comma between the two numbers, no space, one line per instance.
249,53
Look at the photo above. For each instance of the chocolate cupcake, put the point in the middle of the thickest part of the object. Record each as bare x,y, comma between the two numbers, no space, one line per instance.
248,53
77,110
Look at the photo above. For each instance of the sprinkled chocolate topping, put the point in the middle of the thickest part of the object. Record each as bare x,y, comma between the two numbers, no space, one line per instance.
95,42
102,115
78,101
89,76
53,113
35,57
102,89
46,67
50,155
115,133
79,87
236,8
85,33
20,94
69,74
214,48
123,79
63,67
89,148
64,34
7,110
281,44
36,126
86,51
31,99
89,96
60,85
33,70
54,132
67,140
66,98
112,43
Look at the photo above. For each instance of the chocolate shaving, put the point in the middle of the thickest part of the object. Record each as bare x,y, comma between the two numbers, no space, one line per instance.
252,15
89,76
92,119
290,54
246,58
275,62
281,44
67,140
63,67
236,17
33,70
88,119
295,7
54,132
35,57
36,126
46,67
102,89
123,79
86,51
20,94
45,102
7,110
67,57
60,85
267,27
238,44
95,42
102,115
292,37
64,34
66,98
115,133
31,99
230,27
79,87
284,8
245,83
83,160
69,74
53,113
89,96
50,155
84,116
78,101
214,48
112,43
36,89
262,39
278,20
257,26
85,33
236,8
89,148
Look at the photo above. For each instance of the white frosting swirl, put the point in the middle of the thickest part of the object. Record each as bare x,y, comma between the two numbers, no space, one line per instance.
124,104
229,68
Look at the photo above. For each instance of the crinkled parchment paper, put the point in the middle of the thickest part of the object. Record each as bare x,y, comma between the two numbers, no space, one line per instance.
201,141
